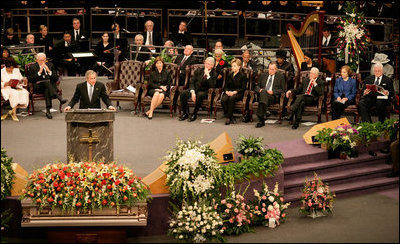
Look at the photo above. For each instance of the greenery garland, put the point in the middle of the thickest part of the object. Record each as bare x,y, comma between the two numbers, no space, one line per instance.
7,174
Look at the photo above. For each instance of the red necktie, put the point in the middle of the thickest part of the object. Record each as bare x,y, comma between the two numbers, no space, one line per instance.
309,88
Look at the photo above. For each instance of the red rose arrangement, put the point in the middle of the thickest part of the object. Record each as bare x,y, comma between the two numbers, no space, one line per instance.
86,185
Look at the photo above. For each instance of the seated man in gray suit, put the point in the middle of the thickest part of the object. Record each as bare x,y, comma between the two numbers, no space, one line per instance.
269,89
88,93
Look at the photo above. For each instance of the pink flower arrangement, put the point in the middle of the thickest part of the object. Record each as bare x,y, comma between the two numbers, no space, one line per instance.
86,185
316,196
269,205
235,214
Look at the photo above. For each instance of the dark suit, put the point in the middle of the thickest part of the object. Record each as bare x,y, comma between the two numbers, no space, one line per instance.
44,82
219,68
181,40
157,39
264,98
81,39
370,100
44,41
304,66
81,95
121,44
61,53
182,66
233,83
344,89
251,65
200,85
139,56
302,99
158,79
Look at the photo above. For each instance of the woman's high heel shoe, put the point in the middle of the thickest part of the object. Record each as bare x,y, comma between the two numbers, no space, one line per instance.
14,117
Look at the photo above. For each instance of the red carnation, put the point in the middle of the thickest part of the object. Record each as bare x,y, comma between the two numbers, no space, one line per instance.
104,202
76,174
50,199
117,182
78,204
125,198
221,62
121,170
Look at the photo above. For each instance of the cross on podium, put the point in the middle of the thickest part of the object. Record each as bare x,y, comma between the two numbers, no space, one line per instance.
90,139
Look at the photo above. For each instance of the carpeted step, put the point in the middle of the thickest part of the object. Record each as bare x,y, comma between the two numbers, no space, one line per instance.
369,186
360,174
333,165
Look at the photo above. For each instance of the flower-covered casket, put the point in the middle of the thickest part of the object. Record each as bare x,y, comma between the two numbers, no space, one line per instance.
84,194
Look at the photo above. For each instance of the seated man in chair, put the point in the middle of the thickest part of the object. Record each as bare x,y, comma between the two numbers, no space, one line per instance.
202,80
307,93
43,76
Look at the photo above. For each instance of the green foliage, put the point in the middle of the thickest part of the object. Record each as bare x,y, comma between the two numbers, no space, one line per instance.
389,128
22,60
324,136
164,55
251,146
263,165
368,132
7,174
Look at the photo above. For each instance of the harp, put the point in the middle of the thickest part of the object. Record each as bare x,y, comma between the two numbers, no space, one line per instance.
308,37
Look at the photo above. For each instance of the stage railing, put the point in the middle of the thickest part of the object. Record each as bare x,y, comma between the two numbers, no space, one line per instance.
28,20
218,22
31,50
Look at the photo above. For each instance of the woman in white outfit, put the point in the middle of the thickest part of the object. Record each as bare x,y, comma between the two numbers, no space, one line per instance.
18,96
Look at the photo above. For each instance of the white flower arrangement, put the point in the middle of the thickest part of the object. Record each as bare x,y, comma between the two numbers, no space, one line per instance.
193,171
196,223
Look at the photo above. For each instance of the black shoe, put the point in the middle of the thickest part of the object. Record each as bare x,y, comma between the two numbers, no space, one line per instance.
192,118
260,124
183,117
48,115
295,125
228,121
385,150
246,118
392,174
267,114
62,101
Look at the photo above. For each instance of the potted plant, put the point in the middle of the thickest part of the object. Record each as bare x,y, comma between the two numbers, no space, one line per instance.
324,138
251,146
389,129
316,198
22,60
367,133
7,177
344,140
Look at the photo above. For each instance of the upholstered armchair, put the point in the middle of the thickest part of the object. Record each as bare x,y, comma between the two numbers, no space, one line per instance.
126,73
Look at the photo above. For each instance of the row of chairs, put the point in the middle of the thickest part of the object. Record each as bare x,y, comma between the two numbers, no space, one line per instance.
133,73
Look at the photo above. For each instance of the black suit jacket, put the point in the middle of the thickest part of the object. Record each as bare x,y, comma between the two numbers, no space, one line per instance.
81,95
181,40
62,52
386,83
316,91
278,86
34,77
286,66
139,56
198,83
157,39
182,67
236,83
82,35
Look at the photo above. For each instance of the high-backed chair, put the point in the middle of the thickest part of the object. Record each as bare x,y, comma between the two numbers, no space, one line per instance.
34,96
353,109
206,103
239,105
126,73
146,99
316,109
276,107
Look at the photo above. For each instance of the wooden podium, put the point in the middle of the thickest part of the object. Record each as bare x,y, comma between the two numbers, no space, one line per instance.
90,135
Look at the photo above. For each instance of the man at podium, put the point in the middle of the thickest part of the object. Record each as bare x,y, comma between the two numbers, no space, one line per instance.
88,93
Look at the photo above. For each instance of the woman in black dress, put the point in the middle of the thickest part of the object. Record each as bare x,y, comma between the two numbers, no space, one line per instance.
105,55
159,85
220,64
43,39
234,89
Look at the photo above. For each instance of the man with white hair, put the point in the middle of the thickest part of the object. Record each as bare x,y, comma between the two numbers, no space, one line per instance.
151,37
184,60
89,93
141,53
377,91
307,93
202,80
43,76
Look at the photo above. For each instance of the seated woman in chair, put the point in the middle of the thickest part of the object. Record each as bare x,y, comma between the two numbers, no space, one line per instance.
344,93
159,85
220,64
234,90
17,96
